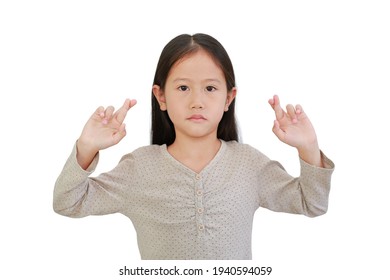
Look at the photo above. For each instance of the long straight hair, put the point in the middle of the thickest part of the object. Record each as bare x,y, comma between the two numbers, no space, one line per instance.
163,130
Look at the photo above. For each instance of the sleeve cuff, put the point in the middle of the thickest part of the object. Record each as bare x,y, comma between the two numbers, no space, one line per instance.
327,163
91,168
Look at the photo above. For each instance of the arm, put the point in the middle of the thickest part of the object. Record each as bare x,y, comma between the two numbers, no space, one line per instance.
307,194
294,128
104,129
77,195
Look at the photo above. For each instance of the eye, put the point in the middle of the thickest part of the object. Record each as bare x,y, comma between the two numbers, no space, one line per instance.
183,88
210,89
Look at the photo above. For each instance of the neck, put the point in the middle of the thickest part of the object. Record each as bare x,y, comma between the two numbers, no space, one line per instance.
195,146
195,153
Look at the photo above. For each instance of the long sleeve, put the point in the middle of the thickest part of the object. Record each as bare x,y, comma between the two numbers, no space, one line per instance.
76,194
181,214
307,194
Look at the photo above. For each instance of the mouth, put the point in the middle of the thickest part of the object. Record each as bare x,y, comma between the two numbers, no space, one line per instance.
196,118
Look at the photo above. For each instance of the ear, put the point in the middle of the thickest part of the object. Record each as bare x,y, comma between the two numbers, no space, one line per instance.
230,97
160,96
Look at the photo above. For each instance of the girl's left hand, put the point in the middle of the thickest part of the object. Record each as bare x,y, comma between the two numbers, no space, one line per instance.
293,127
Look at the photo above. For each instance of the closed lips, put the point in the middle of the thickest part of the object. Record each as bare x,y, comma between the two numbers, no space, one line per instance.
196,117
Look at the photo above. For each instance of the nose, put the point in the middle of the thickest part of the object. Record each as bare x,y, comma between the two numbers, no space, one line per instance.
197,100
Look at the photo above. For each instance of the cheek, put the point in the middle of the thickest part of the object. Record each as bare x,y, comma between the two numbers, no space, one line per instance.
219,111
222,104
173,110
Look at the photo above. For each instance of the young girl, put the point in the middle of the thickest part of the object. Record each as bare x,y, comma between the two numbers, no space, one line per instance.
192,194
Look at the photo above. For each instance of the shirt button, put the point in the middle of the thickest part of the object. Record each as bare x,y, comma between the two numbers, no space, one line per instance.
197,177
200,210
201,227
199,192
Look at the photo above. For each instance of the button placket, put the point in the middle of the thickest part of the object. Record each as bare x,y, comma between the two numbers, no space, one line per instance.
199,195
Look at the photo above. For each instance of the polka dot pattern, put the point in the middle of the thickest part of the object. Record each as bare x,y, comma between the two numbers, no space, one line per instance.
180,214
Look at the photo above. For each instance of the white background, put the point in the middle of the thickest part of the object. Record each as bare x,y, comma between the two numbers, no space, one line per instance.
59,60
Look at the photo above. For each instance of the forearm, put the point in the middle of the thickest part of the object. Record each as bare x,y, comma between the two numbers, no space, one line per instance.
85,154
71,186
311,155
77,194
307,194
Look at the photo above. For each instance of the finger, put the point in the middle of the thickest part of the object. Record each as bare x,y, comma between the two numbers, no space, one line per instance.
108,113
99,112
291,112
120,115
133,102
271,102
298,109
275,104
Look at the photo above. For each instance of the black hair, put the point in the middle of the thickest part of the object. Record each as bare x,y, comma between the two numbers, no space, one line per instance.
162,130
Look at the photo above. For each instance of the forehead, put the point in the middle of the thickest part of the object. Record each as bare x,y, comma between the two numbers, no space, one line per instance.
196,65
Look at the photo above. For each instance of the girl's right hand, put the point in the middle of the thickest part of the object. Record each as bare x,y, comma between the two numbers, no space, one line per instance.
105,128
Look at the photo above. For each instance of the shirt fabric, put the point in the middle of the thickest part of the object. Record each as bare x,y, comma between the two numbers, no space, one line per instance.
180,214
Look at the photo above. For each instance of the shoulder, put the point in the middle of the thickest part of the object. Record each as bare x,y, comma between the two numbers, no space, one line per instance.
244,158
141,160
243,149
245,154
145,153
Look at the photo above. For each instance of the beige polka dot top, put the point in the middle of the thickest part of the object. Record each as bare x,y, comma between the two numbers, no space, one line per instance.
180,214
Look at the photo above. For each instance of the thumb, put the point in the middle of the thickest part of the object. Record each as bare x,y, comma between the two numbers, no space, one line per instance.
120,134
277,131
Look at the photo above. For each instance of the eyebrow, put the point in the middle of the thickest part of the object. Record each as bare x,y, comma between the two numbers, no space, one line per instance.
189,80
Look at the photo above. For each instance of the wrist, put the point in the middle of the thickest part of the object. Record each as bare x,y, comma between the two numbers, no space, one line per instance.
311,155
85,154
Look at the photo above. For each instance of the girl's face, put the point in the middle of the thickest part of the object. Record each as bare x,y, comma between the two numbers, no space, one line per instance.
195,96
